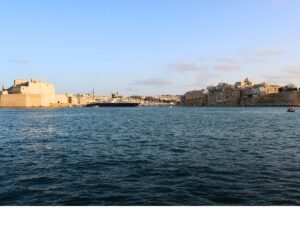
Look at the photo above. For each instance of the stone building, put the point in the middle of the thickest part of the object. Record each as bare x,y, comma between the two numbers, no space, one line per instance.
195,98
264,88
223,95
244,84
33,93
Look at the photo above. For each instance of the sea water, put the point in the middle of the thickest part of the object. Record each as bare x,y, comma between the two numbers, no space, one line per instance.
150,156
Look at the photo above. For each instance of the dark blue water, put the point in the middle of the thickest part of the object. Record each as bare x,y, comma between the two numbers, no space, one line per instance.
150,156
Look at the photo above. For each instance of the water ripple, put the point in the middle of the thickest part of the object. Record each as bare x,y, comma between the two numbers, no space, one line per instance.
149,156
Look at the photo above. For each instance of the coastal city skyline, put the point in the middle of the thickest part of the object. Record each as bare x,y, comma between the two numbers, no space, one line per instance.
35,93
149,48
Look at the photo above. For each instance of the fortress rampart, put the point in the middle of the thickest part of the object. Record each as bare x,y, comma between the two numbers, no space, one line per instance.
32,94
277,99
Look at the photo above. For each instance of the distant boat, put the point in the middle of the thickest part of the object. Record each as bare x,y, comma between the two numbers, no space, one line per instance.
116,100
291,109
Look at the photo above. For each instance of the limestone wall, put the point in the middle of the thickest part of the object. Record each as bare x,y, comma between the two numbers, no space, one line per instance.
20,82
196,98
232,100
211,99
38,88
13,101
73,100
196,102
33,101
279,99
59,101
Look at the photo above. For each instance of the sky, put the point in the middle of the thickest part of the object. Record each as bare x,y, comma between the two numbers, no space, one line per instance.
140,47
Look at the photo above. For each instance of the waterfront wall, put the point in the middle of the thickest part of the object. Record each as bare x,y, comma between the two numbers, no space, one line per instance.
13,100
278,99
237,99
33,101
223,100
196,98
244,93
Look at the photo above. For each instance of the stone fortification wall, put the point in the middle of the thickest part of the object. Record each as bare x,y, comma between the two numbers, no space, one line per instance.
32,101
13,100
196,98
59,101
196,102
31,87
233,100
211,99
38,88
200,101
278,99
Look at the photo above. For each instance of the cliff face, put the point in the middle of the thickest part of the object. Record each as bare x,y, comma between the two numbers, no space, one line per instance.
279,99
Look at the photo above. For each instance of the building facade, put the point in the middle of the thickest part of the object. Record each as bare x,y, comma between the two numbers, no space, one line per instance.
264,88
195,98
223,95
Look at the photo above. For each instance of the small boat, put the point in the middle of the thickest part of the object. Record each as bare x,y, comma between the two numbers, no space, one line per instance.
291,109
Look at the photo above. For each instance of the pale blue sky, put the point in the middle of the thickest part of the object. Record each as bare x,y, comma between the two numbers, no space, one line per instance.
149,47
